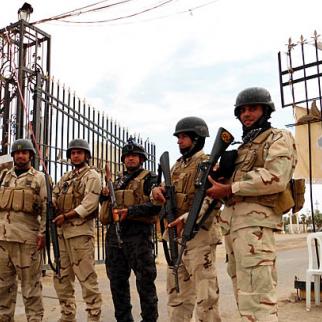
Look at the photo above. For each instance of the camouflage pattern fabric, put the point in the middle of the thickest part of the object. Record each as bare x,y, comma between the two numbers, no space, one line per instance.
77,259
263,169
18,234
197,275
25,261
16,225
197,281
252,267
86,185
76,243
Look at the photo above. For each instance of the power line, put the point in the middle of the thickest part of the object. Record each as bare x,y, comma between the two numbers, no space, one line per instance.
78,11
121,17
190,11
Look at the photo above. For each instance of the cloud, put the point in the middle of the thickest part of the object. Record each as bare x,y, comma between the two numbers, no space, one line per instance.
150,73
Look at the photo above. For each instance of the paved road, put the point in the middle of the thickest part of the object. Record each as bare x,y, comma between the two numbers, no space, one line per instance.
292,260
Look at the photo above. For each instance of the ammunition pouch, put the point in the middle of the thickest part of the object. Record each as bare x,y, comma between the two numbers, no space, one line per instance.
291,198
20,199
6,196
127,198
298,192
284,202
124,198
105,215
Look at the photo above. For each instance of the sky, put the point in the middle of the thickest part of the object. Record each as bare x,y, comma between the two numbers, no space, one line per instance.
150,71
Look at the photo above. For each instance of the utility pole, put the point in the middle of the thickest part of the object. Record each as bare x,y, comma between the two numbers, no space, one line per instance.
25,72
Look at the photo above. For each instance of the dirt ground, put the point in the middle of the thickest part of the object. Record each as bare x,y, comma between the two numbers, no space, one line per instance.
291,249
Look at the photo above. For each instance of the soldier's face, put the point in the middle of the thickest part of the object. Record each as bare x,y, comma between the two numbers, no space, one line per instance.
184,141
249,114
132,161
22,158
77,157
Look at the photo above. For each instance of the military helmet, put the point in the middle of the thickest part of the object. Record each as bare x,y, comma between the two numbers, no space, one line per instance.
254,96
133,148
192,124
22,144
78,144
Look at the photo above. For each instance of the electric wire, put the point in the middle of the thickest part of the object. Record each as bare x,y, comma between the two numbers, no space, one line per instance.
78,12
61,18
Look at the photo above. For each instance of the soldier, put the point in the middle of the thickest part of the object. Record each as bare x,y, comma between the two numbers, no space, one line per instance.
257,196
22,227
135,252
76,197
197,274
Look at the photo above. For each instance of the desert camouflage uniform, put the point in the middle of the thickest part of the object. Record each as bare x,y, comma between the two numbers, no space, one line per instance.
263,169
197,274
22,219
79,190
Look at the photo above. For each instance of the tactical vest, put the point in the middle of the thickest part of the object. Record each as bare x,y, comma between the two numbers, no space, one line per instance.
183,179
23,197
134,195
72,192
252,155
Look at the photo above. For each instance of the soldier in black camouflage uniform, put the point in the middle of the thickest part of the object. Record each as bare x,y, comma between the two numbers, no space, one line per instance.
137,216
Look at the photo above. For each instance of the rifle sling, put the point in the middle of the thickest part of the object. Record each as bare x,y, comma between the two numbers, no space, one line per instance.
128,178
165,245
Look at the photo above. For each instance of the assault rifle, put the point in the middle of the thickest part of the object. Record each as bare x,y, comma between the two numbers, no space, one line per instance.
51,230
109,183
191,227
169,213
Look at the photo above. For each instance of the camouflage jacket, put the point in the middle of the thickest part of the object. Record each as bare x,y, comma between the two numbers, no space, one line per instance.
78,190
263,169
23,206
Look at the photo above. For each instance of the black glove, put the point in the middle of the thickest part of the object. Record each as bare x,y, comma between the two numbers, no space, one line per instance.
226,165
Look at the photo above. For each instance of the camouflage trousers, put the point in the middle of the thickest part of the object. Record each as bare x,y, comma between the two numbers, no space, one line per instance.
251,266
25,261
77,259
136,254
197,282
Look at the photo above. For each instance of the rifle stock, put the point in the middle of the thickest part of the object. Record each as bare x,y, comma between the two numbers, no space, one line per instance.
51,230
169,210
222,141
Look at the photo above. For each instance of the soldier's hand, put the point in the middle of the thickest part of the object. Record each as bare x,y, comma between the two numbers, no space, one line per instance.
40,242
119,215
105,191
158,194
218,190
179,224
59,220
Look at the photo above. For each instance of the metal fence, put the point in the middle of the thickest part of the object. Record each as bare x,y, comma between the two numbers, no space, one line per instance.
300,72
33,105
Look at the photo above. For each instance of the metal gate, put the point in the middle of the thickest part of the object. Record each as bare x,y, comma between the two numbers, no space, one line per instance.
300,72
33,105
